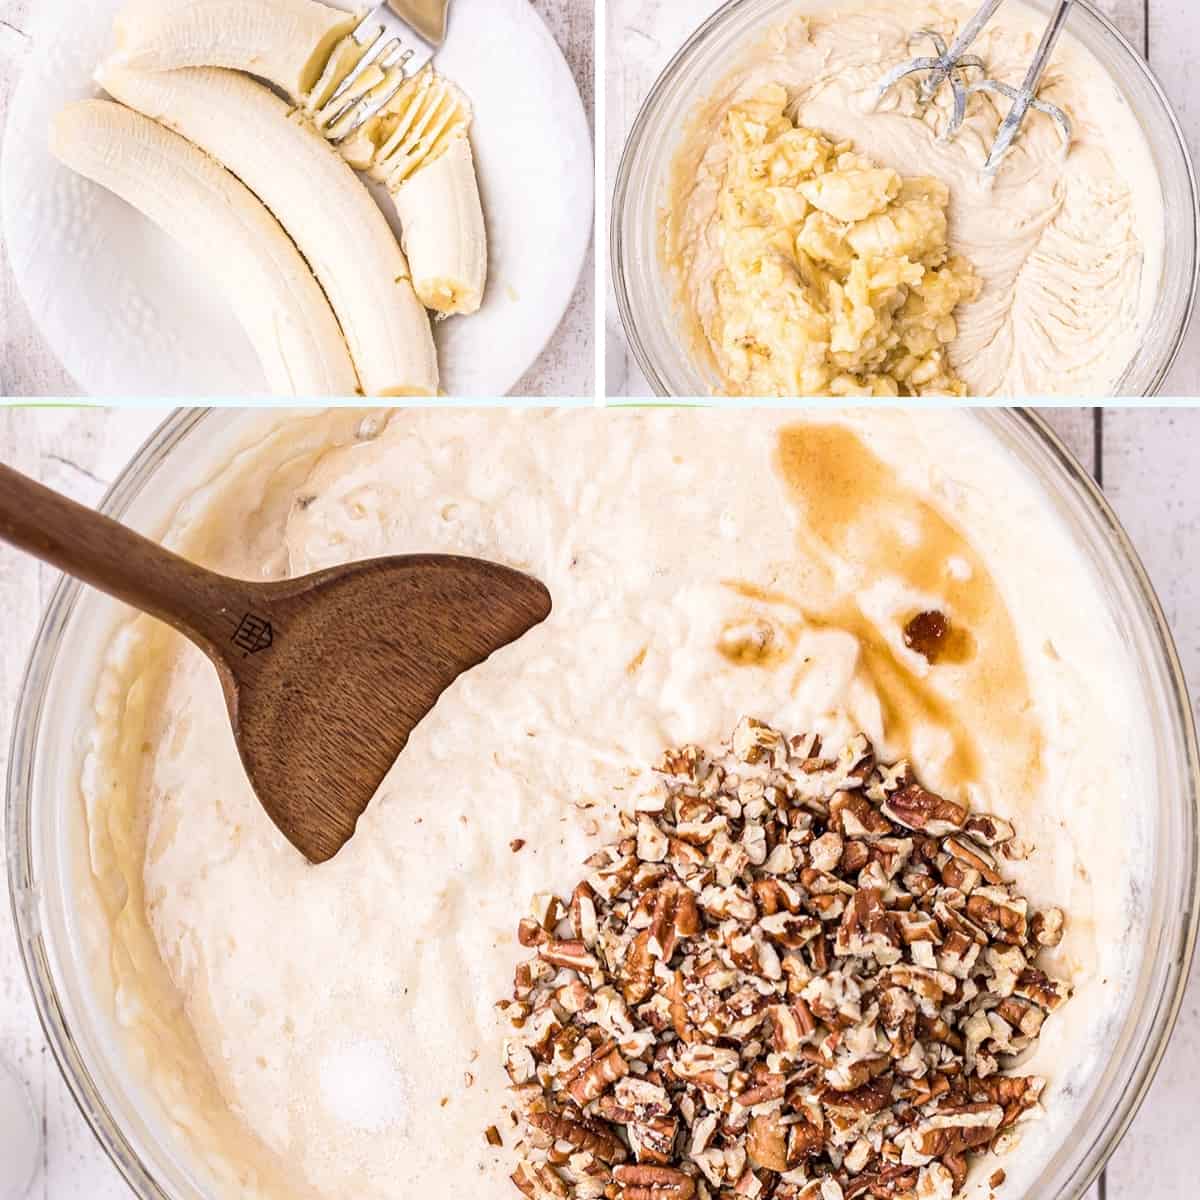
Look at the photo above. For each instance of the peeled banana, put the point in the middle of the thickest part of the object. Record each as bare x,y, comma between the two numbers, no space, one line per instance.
419,148
303,47
287,42
442,221
275,151
226,228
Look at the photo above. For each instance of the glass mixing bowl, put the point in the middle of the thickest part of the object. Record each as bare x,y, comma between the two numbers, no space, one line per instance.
47,838
646,293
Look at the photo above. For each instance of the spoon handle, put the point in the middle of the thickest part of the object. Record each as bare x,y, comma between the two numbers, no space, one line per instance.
206,607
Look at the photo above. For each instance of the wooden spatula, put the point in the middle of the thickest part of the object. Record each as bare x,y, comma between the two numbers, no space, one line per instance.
325,676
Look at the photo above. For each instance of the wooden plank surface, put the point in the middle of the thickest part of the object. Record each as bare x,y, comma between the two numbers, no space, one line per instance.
1152,476
648,32
565,368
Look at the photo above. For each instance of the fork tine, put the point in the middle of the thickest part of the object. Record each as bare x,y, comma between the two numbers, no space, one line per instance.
371,107
374,49
390,55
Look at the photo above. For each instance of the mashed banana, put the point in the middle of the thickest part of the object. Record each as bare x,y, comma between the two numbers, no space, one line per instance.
837,279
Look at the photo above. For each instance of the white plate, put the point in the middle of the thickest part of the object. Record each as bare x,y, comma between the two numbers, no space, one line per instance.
128,313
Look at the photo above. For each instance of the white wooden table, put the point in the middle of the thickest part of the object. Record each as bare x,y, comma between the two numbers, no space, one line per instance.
566,367
644,34
1146,460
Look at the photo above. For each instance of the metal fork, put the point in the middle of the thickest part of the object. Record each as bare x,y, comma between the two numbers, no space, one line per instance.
402,34
952,63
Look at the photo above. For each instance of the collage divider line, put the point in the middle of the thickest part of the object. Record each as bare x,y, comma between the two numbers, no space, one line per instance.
600,124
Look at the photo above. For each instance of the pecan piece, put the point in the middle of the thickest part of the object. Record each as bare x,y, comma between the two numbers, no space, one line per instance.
915,808
1037,986
767,1087
754,741
653,1140
680,1018
582,1134
767,1143
540,1182
654,1183
1001,917
790,932
857,818
583,915
593,1076
990,830
574,956
872,1097
792,1024
636,973
974,856
1046,928
530,933
805,1140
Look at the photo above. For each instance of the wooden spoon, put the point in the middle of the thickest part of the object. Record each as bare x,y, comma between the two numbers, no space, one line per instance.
325,676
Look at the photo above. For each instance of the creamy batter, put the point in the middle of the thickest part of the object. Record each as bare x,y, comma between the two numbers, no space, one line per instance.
1069,249
331,1032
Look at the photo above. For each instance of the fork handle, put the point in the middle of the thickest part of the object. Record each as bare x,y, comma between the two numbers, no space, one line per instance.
427,17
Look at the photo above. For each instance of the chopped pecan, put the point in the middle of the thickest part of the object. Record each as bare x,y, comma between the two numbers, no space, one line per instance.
774,897
991,831
1037,986
855,856
653,1139
582,1134
753,741
766,1142
594,1075
856,818
871,1097
805,1140
654,1183
915,808
583,915
575,956
680,1018
636,973
772,978
769,1086
540,1182
1046,928
530,933
1002,917
789,931
974,856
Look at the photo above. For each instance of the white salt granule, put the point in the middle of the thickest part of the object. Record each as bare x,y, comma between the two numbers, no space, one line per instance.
362,1087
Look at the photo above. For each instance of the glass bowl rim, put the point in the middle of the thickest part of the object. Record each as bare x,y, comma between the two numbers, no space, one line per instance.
637,131
43,660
